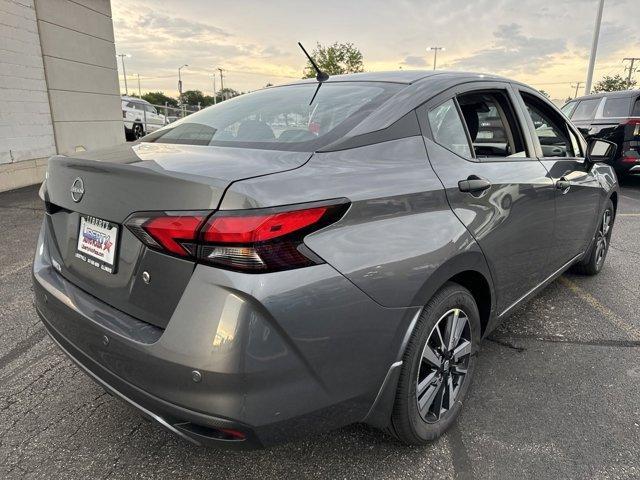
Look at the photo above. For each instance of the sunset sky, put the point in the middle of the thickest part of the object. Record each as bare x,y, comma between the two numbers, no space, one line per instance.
544,43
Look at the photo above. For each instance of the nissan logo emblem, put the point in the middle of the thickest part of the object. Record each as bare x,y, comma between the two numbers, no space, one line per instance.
77,190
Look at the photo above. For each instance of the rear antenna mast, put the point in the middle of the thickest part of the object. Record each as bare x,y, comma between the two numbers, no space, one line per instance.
320,75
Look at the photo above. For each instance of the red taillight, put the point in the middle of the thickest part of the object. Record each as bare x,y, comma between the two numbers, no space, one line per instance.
264,240
172,232
259,228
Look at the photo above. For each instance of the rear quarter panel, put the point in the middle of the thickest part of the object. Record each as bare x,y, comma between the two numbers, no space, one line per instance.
399,241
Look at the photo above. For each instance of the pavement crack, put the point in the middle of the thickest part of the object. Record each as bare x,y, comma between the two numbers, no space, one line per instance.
506,343
603,342
22,347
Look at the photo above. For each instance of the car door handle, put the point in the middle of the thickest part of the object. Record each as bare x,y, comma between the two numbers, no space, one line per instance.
563,185
474,184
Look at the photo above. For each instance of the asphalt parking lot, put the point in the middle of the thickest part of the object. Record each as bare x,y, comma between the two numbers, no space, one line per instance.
556,394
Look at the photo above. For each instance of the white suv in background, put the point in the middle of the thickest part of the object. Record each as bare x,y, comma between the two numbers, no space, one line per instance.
140,118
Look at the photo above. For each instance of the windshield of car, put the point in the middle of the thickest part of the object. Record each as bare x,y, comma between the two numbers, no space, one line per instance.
287,118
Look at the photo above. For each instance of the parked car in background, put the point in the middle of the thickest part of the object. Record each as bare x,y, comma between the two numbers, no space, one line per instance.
316,254
140,118
613,116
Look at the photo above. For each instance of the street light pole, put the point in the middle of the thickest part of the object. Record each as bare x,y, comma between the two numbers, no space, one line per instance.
180,82
124,71
213,77
139,90
594,49
221,83
435,54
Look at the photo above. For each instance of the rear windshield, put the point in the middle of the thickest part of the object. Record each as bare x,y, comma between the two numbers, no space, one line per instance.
616,107
280,118
585,109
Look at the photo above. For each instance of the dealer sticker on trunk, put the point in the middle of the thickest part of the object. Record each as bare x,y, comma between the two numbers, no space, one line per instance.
97,240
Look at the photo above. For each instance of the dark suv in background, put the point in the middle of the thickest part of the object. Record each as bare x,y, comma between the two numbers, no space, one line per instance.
613,116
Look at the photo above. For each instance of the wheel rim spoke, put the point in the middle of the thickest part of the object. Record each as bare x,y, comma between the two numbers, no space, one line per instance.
462,350
444,365
430,356
424,403
422,386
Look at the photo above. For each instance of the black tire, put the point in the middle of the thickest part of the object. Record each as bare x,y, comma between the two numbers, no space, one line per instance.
410,423
597,253
137,131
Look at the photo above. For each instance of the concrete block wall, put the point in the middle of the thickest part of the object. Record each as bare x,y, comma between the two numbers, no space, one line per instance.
26,127
59,89
80,66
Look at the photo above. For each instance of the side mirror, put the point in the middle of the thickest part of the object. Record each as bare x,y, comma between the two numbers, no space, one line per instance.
601,150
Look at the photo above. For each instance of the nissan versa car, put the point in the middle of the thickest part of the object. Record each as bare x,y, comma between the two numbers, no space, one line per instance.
316,254
613,116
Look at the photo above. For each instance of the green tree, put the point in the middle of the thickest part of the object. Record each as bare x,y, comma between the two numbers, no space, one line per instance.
612,84
193,97
159,98
227,93
335,59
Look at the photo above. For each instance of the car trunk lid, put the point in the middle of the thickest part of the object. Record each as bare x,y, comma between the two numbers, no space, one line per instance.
117,182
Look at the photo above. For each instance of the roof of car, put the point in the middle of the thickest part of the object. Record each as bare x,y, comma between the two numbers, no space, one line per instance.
399,76
618,94
133,99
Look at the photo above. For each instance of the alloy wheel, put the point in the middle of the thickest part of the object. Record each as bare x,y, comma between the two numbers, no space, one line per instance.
137,131
443,366
602,237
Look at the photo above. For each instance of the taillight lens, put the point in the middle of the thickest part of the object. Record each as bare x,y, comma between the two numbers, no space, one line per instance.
173,232
264,240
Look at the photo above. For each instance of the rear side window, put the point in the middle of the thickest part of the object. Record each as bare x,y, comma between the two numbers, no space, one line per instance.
616,107
636,108
569,108
448,129
550,128
491,124
585,109
296,117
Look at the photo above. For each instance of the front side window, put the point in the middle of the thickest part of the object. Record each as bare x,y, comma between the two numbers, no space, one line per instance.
616,107
296,117
550,128
491,124
448,129
585,109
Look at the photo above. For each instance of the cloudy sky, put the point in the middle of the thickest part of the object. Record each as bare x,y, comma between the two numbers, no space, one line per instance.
544,43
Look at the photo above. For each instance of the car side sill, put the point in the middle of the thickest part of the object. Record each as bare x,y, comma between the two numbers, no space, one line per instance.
541,285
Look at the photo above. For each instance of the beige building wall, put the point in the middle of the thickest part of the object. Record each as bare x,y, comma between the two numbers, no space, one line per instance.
61,75
26,129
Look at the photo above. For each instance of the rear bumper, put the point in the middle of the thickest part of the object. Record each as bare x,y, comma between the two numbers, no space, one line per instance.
279,356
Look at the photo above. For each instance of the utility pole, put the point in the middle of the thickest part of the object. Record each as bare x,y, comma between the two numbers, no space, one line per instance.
213,77
124,71
594,49
180,82
139,90
435,54
221,84
631,70
577,87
